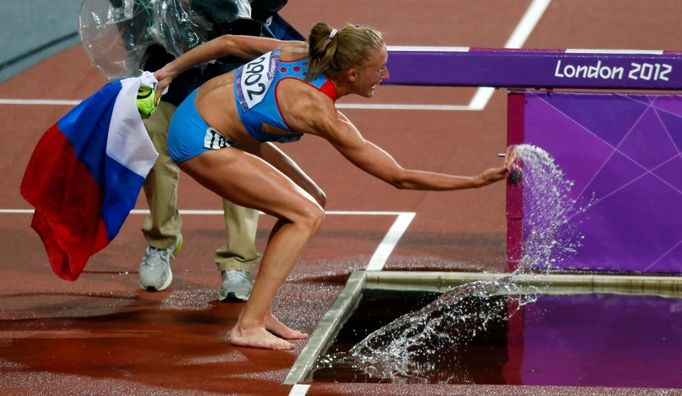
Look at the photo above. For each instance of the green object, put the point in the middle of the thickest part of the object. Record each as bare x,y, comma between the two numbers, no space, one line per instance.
515,177
145,101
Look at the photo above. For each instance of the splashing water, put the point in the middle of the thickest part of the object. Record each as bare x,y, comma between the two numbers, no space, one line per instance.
551,215
410,348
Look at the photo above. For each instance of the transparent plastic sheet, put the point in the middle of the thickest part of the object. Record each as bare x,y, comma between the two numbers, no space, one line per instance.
117,33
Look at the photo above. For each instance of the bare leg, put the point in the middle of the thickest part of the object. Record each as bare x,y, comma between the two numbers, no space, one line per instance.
287,242
247,180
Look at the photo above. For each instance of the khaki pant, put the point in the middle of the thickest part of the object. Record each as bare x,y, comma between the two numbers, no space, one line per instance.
162,227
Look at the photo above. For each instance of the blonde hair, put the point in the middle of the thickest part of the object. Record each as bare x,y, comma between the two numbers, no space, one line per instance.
332,51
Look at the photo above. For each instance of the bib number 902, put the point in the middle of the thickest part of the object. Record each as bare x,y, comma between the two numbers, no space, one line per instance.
256,78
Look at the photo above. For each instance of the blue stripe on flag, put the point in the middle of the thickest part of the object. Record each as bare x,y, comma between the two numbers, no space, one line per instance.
93,114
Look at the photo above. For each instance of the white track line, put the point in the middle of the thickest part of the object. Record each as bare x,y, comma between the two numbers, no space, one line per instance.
376,263
517,39
39,102
397,106
299,390
614,51
412,48
383,252
211,212
527,24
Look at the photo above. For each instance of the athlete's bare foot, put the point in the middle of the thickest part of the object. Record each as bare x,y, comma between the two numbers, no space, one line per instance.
275,326
257,338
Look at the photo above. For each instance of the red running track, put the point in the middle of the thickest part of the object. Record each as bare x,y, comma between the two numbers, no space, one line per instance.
101,335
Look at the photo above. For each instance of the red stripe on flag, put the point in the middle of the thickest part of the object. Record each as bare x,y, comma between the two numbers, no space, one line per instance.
67,203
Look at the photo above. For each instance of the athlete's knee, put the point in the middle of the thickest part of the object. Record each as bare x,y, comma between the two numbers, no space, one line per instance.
311,216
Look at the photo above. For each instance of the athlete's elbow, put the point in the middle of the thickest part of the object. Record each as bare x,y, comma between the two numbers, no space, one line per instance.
402,186
227,43
400,182
396,176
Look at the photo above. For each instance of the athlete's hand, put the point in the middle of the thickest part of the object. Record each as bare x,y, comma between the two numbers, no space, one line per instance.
510,158
164,78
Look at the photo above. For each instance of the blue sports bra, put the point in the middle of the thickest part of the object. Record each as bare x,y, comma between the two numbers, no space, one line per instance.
255,92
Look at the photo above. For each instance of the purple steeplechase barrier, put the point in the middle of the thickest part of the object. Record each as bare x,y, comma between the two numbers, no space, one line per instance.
523,68
623,150
624,153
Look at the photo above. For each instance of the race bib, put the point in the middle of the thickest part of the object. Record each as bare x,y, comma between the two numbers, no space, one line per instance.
254,79
214,140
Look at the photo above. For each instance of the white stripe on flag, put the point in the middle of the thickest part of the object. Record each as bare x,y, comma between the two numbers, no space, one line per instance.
128,142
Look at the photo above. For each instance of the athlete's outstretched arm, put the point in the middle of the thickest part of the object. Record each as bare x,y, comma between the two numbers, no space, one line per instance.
346,138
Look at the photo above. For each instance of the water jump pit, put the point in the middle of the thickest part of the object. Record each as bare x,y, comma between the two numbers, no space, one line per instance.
484,328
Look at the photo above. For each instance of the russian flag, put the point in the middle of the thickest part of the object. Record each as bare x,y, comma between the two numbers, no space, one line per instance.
86,172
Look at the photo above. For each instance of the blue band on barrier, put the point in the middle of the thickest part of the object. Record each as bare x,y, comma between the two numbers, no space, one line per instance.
524,68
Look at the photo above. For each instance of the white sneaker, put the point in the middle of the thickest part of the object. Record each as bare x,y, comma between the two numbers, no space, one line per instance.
155,272
237,285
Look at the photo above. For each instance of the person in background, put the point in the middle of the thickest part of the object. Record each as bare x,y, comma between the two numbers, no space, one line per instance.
162,228
279,97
